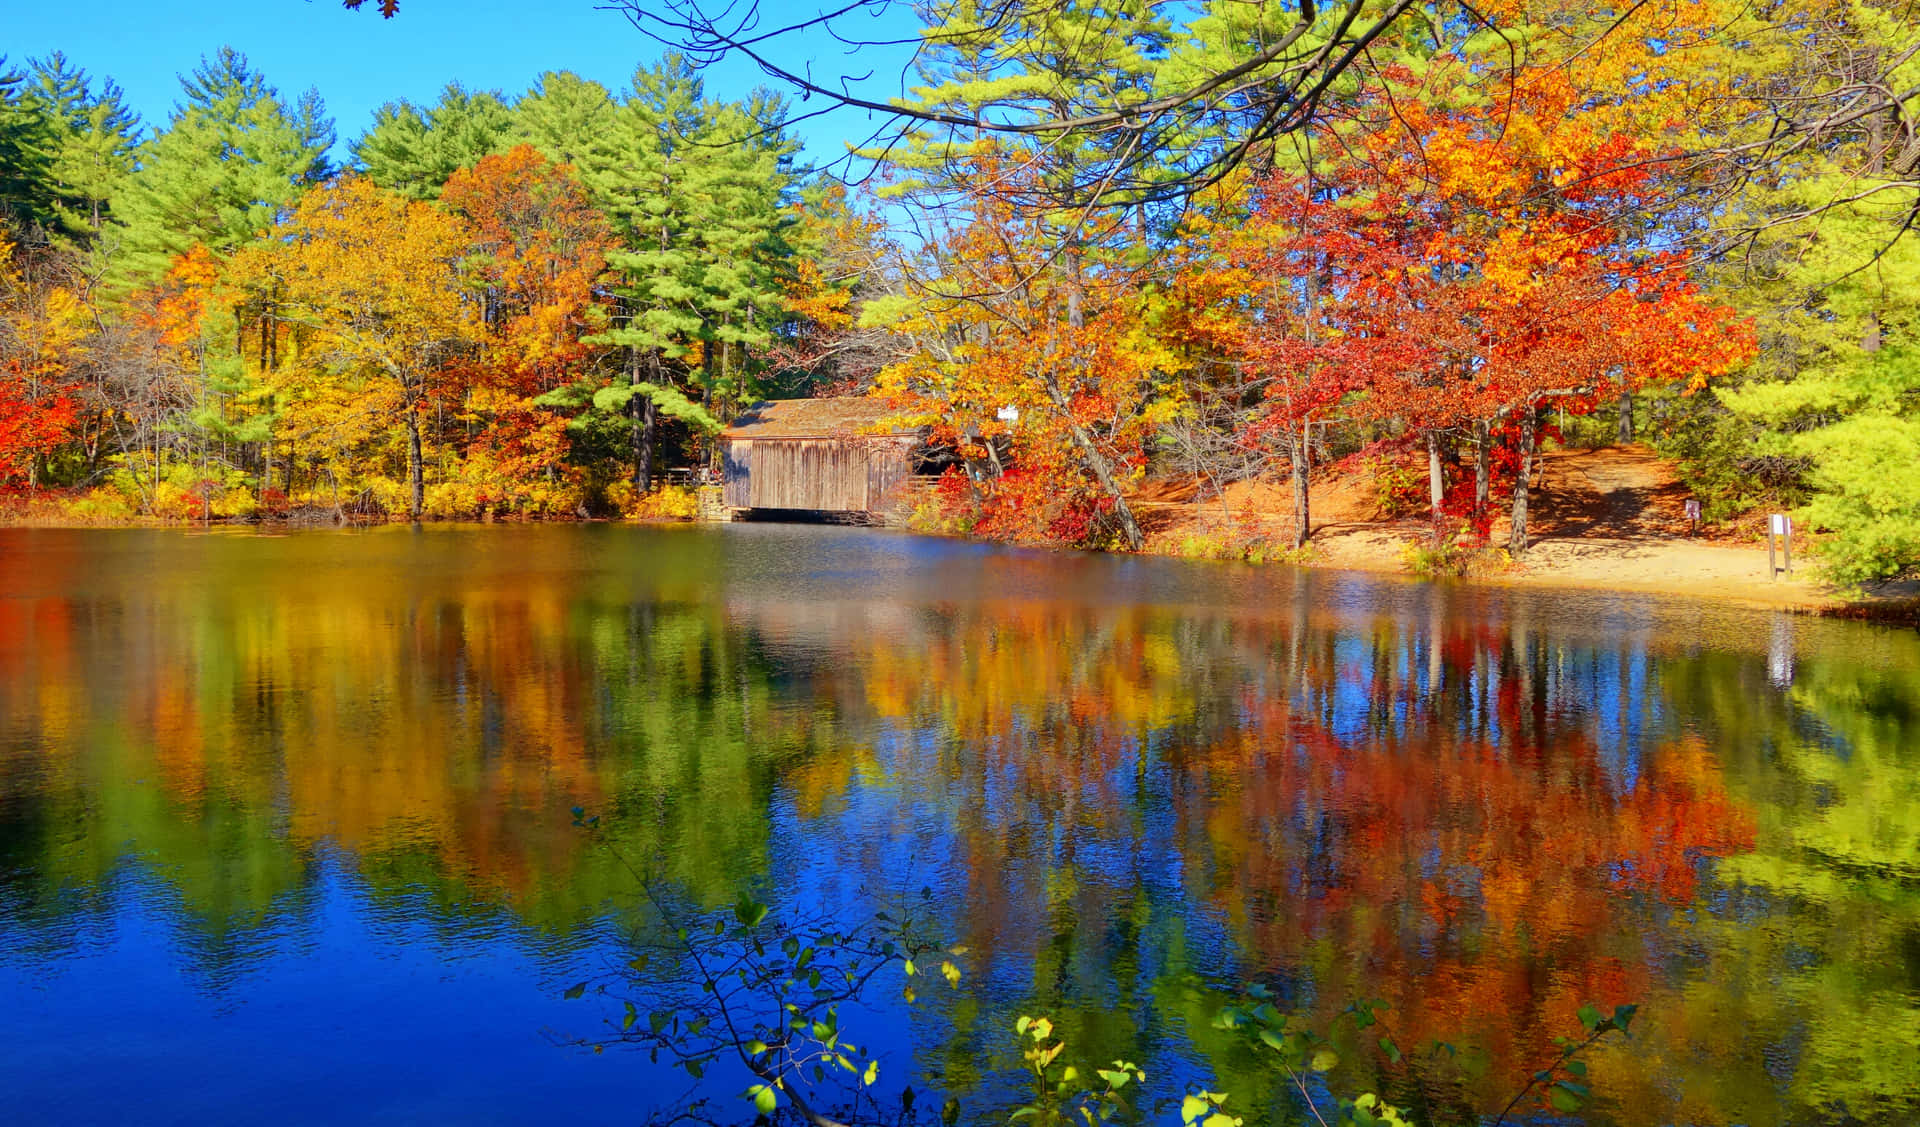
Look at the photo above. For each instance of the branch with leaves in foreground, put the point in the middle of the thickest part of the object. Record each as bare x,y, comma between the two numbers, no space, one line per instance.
737,985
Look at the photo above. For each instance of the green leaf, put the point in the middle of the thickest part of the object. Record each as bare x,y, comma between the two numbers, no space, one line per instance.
764,1098
1589,1017
632,1015
1392,1050
576,990
1623,1016
1564,1100
748,912
1192,1108
1324,1060
871,1074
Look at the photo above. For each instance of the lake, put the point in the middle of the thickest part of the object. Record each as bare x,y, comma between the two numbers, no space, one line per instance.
287,829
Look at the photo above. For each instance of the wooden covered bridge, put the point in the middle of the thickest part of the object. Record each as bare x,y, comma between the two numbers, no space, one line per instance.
817,457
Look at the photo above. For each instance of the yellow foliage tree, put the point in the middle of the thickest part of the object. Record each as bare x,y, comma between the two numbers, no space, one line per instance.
373,282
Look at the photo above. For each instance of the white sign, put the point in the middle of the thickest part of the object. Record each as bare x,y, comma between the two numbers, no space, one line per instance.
1008,414
1780,525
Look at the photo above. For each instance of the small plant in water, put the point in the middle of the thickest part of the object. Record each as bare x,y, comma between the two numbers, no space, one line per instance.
1061,1095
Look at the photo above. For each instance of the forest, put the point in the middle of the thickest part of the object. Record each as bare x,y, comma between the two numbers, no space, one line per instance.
1216,241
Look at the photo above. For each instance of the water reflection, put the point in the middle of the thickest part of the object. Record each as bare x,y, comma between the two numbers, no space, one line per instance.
274,765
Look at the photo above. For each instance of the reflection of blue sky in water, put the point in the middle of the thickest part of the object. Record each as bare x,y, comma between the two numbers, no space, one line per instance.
345,1008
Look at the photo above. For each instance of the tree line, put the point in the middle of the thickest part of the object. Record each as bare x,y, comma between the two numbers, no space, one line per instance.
496,306
1102,242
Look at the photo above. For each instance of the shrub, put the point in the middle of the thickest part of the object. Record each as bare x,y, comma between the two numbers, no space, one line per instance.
1399,486
670,502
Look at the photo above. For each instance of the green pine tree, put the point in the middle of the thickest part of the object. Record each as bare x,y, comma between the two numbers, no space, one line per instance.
696,191
93,143
232,156
413,151
641,172
28,141
562,116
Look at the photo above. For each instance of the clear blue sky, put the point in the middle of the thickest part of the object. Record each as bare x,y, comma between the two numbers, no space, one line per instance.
358,61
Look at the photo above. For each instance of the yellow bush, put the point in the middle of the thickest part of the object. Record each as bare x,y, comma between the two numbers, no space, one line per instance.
451,500
105,504
238,502
671,502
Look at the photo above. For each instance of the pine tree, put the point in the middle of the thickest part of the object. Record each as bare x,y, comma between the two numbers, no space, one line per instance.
562,116
94,135
230,160
640,172
412,152
695,191
27,142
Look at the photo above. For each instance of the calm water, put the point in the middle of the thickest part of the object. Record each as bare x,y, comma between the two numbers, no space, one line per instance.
285,831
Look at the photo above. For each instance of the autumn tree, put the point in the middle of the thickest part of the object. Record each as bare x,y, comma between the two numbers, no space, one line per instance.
374,280
994,326
538,252
44,330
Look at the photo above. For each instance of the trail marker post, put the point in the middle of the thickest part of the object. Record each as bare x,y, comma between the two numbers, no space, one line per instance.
1780,528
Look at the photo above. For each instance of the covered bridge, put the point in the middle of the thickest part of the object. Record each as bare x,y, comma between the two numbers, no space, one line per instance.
819,456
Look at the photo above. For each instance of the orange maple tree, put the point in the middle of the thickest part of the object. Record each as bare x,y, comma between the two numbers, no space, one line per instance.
1462,265
538,250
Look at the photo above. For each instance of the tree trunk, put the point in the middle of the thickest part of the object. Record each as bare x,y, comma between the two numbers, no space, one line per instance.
1302,466
1097,462
1482,465
1517,543
1626,416
642,437
416,478
643,442
1436,482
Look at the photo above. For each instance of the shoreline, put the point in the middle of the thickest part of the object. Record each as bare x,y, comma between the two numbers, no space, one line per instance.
1684,568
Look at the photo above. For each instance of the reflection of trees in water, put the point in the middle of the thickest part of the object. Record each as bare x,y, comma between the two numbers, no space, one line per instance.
1485,826
440,743
1826,910
1484,822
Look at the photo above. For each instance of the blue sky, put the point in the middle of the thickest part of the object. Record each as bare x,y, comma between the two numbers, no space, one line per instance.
358,61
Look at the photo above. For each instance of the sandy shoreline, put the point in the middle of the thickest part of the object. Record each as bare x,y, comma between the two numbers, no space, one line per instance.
1689,568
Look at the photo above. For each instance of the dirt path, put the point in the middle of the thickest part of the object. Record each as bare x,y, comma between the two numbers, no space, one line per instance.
1615,492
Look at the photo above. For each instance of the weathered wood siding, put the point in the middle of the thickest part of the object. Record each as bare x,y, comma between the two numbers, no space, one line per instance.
737,472
831,475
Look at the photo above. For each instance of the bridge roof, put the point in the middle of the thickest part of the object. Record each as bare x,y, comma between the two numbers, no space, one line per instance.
840,417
